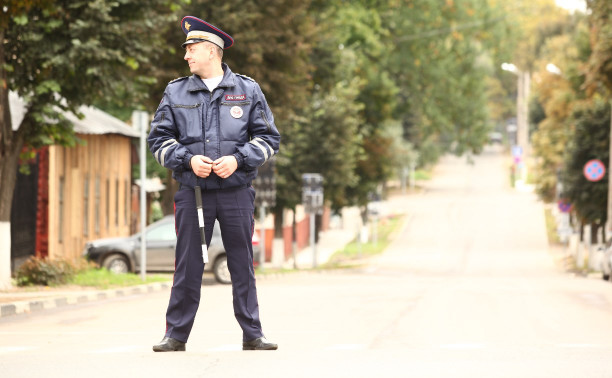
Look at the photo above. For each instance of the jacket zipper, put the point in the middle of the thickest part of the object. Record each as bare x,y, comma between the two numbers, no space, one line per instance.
186,106
236,103
263,115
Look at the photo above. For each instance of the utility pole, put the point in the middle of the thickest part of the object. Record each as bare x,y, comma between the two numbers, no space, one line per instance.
522,114
312,198
265,187
523,131
140,120
609,221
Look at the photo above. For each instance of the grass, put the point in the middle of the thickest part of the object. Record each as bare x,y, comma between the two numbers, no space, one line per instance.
551,228
103,279
355,250
421,174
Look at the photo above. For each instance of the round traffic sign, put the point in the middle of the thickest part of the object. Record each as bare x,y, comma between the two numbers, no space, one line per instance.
594,170
564,205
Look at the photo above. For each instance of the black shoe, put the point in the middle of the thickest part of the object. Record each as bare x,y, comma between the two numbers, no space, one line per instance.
169,344
259,344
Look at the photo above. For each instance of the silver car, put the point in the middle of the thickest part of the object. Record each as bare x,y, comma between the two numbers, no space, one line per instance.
122,255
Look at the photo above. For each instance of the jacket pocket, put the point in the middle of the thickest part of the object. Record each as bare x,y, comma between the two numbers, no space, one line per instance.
233,117
188,119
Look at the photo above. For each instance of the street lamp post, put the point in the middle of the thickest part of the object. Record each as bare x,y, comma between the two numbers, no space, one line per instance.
522,108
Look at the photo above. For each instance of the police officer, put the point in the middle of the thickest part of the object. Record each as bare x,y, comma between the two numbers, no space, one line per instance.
213,129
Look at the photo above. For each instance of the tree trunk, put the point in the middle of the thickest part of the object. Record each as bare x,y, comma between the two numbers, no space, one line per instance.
8,179
594,229
167,197
10,145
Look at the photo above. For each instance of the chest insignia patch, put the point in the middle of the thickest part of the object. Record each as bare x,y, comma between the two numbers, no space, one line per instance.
236,111
240,97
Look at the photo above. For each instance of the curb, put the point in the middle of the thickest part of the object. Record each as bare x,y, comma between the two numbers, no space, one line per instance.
37,305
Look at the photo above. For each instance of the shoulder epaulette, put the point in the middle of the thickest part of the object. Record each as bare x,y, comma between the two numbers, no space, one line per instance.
245,76
178,79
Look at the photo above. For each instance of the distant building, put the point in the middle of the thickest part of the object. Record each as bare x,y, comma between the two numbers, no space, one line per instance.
74,194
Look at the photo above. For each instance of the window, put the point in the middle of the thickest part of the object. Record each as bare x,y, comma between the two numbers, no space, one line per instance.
86,206
60,225
127,202
107,204
97,206
162,232
116,203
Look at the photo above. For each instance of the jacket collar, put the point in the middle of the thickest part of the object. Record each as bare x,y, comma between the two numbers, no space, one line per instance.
196,83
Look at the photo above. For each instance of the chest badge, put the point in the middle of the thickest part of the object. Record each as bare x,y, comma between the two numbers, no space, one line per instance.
236,111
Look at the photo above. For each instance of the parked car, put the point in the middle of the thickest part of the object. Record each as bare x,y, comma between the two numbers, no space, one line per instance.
122,255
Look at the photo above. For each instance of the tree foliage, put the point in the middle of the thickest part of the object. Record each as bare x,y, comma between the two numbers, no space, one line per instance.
590,141
340,76
442,55
576,123
600,62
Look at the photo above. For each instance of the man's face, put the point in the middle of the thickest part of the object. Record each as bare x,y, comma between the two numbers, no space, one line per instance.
198,56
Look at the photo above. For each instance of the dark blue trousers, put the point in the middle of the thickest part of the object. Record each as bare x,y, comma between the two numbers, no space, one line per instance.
234,210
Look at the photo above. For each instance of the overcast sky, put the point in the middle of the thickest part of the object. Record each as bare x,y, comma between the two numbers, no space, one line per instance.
572,4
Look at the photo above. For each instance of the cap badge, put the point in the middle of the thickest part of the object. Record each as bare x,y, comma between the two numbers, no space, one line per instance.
187,25
236,111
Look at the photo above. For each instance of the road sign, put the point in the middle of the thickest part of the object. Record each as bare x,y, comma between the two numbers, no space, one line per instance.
594,170
312,192
564,205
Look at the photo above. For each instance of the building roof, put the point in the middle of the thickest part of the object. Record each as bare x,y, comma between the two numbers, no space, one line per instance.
95,121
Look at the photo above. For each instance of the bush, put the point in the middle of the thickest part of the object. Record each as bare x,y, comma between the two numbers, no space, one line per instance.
43,271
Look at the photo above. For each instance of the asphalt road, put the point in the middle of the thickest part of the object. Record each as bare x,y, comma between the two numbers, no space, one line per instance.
468,289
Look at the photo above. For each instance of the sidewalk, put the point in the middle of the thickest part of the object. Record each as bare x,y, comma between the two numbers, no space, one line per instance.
22,301
330,242
336,239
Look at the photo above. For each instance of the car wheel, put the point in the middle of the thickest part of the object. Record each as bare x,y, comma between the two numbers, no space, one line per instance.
606,277
116,264
221,271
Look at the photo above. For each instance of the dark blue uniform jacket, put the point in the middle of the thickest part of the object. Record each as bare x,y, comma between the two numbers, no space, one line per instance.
232,120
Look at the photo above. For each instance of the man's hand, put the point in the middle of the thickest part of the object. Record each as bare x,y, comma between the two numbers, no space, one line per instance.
201,165
225,166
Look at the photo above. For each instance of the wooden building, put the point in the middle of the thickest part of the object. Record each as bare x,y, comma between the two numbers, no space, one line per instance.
82,192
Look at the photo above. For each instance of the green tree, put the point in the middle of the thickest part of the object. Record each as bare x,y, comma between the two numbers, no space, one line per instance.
276,54
557,95
326,142
590,141
442,55
600,62
62,54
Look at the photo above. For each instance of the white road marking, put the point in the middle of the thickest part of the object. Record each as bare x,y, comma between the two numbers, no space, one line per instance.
10,349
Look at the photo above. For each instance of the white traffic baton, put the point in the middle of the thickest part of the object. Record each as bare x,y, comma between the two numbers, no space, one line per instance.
198,197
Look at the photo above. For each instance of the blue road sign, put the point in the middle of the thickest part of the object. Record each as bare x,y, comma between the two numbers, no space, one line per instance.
564,205
594,170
